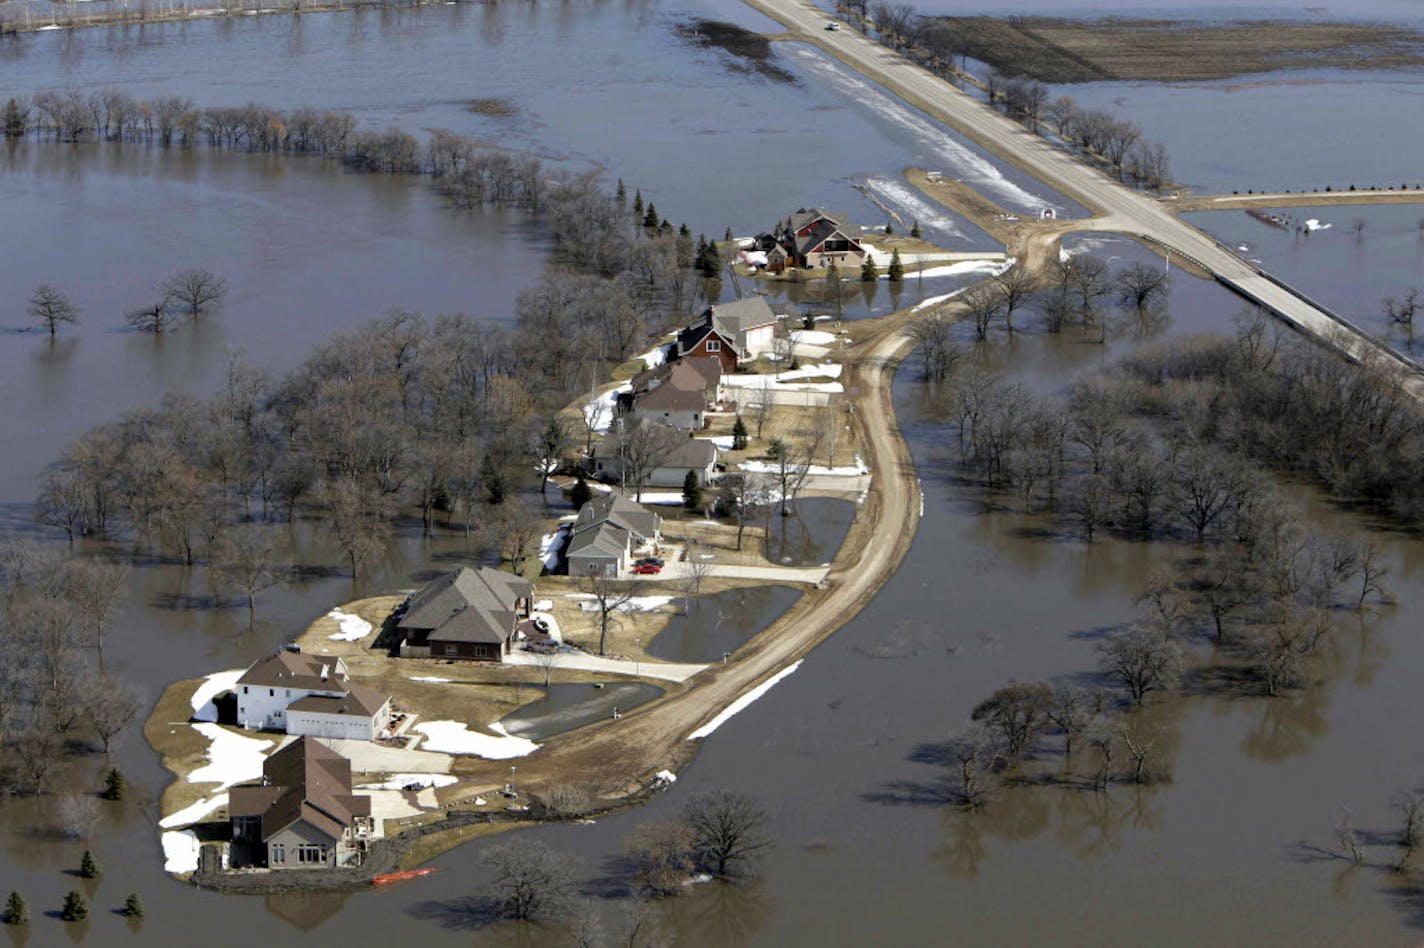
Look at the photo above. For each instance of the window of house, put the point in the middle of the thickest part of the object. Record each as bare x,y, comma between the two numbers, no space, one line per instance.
452,650
311,853
244,689
279,853
271,692
714,345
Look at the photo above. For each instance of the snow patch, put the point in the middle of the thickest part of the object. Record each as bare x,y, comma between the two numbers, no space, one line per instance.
741,703
598,412
353,628
232,757
664,778
1314,224
430,678
768,467
551,546
213,685
455,737
989,267
635,604
959,160
814,337
180,851
907,200
724,442
411,782
194,813
655,357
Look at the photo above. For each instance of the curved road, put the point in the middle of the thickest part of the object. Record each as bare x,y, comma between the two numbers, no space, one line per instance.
1121,208
626,753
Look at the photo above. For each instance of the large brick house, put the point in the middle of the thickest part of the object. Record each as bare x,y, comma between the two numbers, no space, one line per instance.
812,239
469,614
303,815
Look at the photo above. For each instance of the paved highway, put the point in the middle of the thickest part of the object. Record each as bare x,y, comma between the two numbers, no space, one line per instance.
1120,208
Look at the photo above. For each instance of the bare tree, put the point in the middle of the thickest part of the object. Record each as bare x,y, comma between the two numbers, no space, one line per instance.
197,289
110,706
1142,289
1411,829
546,659
791,465
1144,658
94,586
359,522
1019,712
51,309
1401,312
661,856
156,317
982,302
742,496
728,832
931,331
641,447
609,596
697,566
1015,286
531,882
973,754
1373,569
1346,839
248,558
78,814
546,446
517,531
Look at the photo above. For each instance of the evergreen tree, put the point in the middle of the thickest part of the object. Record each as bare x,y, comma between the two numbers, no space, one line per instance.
897,269
75,909
114,785
581,492
620,196
889,228
492,479
638,205
14,121
692,491
650,217
739,435
133,908
89,866
868,273
683,231
728,235
915,229
16,911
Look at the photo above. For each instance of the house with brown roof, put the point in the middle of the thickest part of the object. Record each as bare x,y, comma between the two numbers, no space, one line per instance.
677,394
812,239
733,332
309,695
303,815
469,613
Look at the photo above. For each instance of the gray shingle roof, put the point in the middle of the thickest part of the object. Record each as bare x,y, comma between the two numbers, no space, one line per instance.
467,605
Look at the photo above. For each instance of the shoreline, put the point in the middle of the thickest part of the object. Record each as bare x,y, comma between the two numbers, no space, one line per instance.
11,25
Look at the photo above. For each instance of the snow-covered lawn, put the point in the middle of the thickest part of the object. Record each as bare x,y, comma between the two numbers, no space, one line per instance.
551,546
212,686
232,758
194,813
404,781
794,380
655,357
814,337
180,851
353,628
598,411
431,679
635,604
741,703
455,737
661,497
724,442
768,467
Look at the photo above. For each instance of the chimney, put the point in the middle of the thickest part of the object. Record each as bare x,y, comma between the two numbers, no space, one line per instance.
325,670
293,647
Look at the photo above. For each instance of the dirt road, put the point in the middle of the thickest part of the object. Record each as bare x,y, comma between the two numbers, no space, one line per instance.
628,752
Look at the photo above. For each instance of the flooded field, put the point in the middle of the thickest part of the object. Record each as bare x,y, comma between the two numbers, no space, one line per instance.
1235,849
1351,261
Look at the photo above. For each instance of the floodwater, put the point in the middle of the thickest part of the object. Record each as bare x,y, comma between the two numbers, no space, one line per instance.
1347,269
568,706
720,623
307,250
810,533
1233,850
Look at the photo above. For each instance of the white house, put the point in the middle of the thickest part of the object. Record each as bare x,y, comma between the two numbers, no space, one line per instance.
694,454
309,695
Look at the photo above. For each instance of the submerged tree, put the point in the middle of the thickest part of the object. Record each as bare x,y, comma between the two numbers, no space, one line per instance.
51,308
531,882
728,832
196,289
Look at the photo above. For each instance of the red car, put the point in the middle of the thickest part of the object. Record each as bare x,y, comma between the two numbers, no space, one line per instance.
647,569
